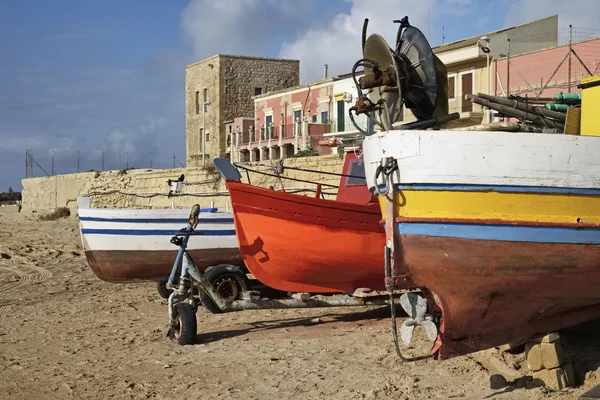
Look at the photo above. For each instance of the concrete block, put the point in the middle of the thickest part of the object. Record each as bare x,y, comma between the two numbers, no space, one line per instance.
555,378
552,354
549,338
533,355
301,296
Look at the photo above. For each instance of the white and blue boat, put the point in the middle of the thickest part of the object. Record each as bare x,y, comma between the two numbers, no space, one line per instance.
133,245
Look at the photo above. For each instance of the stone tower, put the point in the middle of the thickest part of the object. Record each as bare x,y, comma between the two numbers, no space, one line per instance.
220,88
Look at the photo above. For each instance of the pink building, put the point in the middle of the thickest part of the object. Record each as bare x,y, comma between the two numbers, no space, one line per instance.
285,122
547,72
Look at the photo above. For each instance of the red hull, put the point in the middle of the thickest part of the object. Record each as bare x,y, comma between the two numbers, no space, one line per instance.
139,266
528,289
302,244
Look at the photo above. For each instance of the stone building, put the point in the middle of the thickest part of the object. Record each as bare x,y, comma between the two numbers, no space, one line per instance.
219,89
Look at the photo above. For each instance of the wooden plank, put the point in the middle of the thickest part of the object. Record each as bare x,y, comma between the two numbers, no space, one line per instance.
573,122
592,394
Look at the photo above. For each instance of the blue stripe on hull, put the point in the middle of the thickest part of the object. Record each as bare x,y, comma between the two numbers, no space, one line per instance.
183,221
497,188
141,232
511,233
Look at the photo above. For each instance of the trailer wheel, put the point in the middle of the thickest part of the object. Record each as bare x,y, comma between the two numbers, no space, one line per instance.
228,280
183,327
161,288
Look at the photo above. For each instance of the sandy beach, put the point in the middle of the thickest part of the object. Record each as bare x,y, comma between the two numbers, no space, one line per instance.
64,333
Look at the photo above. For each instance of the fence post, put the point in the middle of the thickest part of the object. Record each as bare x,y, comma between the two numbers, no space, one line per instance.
570,52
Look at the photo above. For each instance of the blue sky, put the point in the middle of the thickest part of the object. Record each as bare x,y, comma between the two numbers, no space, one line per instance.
108,76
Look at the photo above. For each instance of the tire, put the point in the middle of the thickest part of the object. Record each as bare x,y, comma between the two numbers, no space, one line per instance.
161,288
228,280
184,326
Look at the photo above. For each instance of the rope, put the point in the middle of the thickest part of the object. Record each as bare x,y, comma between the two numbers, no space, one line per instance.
385,168
285,177
152,195
304,170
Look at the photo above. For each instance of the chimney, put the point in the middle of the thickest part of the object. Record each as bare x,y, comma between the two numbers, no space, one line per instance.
325,77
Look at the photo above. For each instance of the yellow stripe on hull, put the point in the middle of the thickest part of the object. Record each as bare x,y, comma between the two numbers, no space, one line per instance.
530,207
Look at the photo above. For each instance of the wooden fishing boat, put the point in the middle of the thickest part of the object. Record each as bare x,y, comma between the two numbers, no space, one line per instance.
500,230
133,245
297,243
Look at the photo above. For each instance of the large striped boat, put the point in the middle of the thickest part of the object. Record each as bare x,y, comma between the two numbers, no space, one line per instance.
131,245
501,231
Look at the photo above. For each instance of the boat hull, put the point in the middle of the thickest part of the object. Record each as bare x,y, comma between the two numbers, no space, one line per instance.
128,266
491,292
129,245
301,244
501,231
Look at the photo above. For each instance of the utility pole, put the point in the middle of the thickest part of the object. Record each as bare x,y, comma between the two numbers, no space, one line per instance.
52,162
102,161
150,160
78,161
127,159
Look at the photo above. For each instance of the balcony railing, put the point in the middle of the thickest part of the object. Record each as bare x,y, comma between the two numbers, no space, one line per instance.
345,124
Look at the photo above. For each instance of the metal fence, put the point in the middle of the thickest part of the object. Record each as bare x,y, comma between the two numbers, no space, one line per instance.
49,162
546,64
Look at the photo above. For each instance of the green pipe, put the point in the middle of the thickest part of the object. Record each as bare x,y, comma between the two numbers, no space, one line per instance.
557,107
568,98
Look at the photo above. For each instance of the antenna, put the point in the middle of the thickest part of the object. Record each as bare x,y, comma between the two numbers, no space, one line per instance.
443,34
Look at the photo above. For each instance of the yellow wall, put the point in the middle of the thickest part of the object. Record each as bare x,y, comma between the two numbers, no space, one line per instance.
62,190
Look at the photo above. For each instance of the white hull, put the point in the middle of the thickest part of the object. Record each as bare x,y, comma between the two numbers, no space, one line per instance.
486,158
132,229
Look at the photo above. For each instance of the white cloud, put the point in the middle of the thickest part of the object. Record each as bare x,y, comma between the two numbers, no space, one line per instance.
338,43
242,27
579,13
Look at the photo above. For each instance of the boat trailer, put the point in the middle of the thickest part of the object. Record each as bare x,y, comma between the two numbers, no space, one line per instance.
193,289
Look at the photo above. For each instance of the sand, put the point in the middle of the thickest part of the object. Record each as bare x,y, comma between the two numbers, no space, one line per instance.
64,333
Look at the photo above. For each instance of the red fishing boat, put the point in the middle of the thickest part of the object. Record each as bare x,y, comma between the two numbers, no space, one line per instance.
298,243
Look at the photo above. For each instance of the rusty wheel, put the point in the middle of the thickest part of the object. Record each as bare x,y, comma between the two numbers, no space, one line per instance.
184,325
228,280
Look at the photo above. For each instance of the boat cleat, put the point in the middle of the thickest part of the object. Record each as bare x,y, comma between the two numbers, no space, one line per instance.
416,307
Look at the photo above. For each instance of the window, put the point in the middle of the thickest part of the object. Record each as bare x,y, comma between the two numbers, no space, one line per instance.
341,116
257,91
325,117
197,102
451,94
297,117
314,118
207,137
357,168
268,122
467,88
205,99
201,140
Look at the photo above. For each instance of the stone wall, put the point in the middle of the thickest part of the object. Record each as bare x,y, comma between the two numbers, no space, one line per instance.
198,77
229,82
148,188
